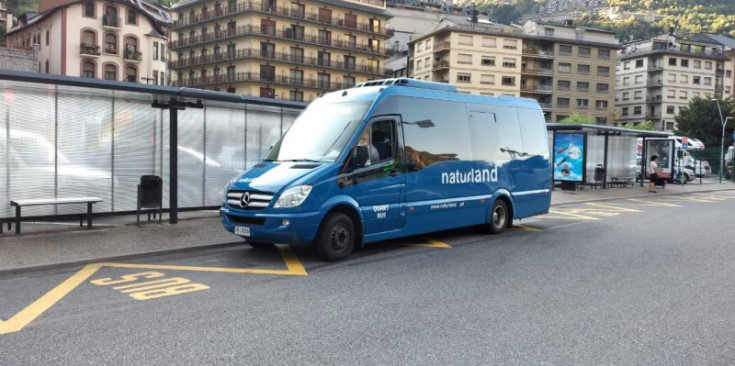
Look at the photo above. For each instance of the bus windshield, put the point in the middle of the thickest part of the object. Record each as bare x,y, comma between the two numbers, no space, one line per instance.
320,133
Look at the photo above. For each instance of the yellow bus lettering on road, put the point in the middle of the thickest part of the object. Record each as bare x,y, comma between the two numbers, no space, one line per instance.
126,278
168,291
151,289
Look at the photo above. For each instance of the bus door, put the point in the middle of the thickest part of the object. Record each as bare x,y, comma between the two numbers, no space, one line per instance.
379,187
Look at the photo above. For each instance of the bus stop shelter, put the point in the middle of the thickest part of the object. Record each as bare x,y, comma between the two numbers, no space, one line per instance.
66,136
603,155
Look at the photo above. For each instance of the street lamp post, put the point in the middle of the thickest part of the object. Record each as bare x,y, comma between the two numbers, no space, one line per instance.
147,79
722,141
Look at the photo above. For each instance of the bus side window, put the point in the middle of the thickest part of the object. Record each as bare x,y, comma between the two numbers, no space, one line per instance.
383,139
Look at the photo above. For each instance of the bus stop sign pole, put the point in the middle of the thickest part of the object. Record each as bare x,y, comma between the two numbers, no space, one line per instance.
174,106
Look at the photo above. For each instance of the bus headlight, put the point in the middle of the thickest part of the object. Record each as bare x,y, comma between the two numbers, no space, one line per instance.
293,197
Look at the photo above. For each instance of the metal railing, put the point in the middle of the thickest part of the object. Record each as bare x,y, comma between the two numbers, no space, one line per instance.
197,17
244,53
258,77
250,29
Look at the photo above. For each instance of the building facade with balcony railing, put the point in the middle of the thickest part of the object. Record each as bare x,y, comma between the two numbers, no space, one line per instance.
657,78
278,49
121,40
564,75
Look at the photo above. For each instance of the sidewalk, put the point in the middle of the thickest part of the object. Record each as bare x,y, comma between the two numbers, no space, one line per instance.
58,245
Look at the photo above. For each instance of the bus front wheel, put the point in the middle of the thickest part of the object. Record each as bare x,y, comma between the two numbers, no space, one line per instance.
336,238
498,217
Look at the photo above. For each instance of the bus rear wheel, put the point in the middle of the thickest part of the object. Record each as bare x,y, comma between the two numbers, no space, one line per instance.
336,238
499,219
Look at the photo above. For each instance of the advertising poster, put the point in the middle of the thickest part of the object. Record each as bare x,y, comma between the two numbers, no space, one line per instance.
569,157
664,150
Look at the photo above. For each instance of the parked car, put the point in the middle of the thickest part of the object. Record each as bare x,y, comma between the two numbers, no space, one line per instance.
696,168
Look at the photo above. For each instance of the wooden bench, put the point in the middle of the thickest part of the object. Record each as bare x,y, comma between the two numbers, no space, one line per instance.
620,182
54,201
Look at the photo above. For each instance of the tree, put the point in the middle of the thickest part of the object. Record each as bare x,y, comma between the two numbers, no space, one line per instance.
701,119
645,126
505,14
578,118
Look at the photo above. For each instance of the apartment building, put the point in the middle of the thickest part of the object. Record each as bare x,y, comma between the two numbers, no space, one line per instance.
293,50
566,69
479,58
570,70
658,77
121,40
728,44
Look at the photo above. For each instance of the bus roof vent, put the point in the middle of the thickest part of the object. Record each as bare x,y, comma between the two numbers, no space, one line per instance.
409,82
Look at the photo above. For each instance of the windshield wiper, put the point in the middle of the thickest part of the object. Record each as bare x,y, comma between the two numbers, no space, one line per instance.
302,160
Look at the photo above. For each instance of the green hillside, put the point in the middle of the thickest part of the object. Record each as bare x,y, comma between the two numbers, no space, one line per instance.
684,16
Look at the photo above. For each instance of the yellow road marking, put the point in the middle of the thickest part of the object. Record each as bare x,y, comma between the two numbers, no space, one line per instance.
614,208
574,214
38,307
526,228
293,266
654,203
713,198
431,243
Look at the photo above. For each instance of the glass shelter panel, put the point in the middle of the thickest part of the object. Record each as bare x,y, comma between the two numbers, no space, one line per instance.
28,139
63,141
84,153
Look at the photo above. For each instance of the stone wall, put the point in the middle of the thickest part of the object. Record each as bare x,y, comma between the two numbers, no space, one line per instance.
19,60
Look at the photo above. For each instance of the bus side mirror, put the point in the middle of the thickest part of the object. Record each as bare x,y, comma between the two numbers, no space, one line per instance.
359,156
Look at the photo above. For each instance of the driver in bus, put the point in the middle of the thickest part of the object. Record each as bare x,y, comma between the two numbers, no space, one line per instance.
373,154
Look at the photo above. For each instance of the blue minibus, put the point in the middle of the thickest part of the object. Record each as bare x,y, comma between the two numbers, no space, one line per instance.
394,158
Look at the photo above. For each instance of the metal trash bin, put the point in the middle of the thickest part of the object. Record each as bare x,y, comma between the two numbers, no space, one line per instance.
150,196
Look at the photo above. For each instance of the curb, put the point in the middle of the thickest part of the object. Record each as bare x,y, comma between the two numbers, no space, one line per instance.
640,195
63,265
82,262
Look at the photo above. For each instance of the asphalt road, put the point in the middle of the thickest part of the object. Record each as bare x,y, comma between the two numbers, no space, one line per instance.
646,282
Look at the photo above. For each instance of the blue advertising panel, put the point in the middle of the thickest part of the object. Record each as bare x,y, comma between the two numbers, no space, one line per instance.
569,156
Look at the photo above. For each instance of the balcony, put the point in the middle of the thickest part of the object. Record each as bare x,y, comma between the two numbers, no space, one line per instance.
256,53
133,56
89,50
720,72
653,100
284,11
442,46
655,67
537,89
112,23
653,115
441,65
655,84
269,79
538,71
545,106
250,29
533,52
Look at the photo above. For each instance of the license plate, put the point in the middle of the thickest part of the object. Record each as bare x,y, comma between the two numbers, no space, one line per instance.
242,230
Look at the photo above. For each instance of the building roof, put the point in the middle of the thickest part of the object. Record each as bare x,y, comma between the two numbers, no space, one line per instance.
720,39
341,3
154,13
506,31
154,92
555,24
605,130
